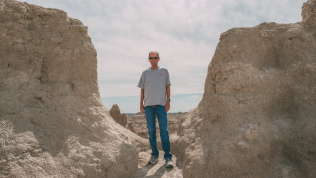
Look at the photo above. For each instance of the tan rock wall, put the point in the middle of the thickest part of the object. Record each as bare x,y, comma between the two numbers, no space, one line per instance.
52,121
257,115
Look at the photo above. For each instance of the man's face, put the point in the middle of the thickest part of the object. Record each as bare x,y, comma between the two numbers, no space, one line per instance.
152,59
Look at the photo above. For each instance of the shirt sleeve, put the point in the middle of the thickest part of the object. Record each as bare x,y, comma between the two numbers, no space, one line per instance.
141,82
168,78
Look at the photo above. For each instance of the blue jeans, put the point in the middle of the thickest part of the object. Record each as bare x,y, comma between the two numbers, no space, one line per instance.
151,112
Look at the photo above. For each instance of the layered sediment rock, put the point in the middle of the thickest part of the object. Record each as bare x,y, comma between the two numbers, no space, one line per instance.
52,121
257,115
117,116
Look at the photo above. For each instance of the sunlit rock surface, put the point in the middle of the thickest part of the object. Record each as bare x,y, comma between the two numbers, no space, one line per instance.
257,117
52,121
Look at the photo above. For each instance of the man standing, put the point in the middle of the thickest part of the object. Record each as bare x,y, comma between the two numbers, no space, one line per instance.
155,101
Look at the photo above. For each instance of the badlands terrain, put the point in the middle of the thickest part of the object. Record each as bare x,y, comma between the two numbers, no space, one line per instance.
256,118
137,122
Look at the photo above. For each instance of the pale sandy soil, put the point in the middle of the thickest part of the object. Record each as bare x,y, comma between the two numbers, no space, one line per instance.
159,170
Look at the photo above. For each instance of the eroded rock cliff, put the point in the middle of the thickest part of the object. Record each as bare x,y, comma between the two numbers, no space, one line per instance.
52,121
257,117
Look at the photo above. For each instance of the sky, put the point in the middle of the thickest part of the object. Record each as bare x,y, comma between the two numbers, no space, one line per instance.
184,32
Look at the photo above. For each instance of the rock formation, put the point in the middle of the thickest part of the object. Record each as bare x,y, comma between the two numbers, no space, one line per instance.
257,115
52,121
117,116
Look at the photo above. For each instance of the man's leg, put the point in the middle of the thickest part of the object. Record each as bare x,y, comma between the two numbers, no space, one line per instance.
151,125
164,134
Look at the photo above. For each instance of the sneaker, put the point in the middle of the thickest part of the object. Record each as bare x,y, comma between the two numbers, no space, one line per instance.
169,163
153,160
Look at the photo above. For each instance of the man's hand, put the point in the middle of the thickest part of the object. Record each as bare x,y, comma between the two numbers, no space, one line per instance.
167,106
142,108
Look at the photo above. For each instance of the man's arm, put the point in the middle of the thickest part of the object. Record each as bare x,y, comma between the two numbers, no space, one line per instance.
167,106
142,109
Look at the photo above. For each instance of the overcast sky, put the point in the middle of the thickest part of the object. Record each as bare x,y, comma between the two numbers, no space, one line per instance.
184,32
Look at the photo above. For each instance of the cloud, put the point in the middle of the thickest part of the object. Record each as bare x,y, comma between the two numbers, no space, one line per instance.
184,32
195,97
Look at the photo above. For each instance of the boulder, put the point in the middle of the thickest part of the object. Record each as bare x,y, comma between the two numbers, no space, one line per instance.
52,121
257,115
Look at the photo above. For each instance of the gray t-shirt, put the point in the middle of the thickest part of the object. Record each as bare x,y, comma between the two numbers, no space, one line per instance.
154,83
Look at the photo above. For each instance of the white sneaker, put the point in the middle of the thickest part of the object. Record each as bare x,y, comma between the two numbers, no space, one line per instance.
169,163
153,160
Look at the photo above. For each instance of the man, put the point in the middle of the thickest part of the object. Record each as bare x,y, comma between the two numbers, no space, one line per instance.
155,101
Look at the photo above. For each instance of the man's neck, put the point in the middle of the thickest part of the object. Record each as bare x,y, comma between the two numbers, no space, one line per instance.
154,67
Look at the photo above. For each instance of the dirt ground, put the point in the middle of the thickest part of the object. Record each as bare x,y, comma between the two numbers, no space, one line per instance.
159,170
